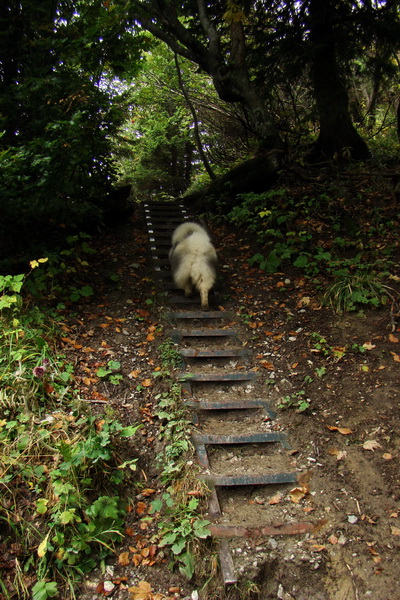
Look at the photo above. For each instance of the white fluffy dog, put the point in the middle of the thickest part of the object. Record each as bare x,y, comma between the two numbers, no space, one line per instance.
193,260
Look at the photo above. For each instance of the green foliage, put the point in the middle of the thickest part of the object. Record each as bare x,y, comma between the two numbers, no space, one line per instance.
170,357
353,264
155,144
295,401
109,372
43,590
357,291
63,269
181,529
56,120
59,477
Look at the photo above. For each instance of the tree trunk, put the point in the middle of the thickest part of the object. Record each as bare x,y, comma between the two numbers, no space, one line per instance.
337,137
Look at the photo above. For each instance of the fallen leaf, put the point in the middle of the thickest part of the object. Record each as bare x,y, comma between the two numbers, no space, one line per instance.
141,508
393,338
342,430
396,357
266,364
369,346
298,493
42,548
304,301
333,539
395,530
148,492
387,456
318,547
276,499
371,445
339,351
147,383
340,454
141,592
368,519
124,559
134,374
105,588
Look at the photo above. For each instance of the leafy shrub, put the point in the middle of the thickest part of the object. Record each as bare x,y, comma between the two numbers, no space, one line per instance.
58,476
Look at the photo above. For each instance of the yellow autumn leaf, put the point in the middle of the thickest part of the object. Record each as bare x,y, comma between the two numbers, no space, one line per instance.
42,548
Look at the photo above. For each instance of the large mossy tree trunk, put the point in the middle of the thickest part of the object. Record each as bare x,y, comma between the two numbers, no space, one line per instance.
338,137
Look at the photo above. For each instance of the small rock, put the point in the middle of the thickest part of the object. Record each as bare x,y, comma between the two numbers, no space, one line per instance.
352,519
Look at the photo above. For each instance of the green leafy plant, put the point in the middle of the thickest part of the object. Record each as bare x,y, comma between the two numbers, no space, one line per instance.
295,401
59,475
109,372
356,291
170,356
181,529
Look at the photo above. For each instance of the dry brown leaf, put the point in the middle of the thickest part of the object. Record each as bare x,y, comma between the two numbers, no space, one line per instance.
308,509
395,530
141,508
276,499
147,383
396,357
387,456
338,453
333,539
318,547
148,492
141,592
298,493
368,519
266,364
304,301
393,338
369,346
371,445
134,374
124,559
342,430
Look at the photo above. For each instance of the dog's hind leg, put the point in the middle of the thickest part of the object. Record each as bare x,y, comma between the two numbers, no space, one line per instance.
187,288
204,296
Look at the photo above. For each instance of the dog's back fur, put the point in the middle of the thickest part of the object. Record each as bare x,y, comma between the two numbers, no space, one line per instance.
193,260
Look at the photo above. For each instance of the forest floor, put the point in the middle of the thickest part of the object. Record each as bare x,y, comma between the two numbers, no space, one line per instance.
345,446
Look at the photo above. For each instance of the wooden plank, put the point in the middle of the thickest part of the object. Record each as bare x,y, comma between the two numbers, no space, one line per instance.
252,438
261,479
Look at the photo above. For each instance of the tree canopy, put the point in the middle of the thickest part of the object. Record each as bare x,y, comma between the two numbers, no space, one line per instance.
242,77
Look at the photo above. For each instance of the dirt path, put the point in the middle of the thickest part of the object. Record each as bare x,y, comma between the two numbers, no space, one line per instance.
345,446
